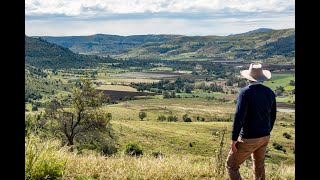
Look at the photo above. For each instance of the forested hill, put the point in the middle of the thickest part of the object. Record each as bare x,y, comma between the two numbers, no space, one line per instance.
257,44
42,54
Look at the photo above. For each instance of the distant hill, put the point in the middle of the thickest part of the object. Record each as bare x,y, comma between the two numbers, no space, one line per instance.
42,54
260,30
258,44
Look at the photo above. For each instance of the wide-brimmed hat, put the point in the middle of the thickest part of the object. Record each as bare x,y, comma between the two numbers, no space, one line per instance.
256,73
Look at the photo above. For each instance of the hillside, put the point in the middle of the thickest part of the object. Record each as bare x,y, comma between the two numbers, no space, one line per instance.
42,54
259,44
253,31
38,85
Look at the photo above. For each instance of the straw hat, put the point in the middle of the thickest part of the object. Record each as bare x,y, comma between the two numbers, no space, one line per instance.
256,73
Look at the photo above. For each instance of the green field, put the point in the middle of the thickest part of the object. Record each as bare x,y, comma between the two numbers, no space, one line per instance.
280,80
175,137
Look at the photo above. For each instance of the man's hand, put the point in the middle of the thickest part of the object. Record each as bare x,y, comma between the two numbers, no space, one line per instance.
233,146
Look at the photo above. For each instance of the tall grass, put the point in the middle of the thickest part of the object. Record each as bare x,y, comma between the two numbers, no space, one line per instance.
47,160
43,160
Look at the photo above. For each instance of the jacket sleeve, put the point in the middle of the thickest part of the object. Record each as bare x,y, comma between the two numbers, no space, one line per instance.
273,113
240,114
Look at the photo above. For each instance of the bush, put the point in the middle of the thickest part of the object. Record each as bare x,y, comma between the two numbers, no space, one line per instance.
157,154
279,147
108,149
185,118
142,115
42,160
34,108
162,118
172,118
133,149
286,135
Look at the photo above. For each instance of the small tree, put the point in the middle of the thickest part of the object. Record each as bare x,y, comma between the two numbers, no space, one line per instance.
80,115
142,115
185,118
133,149
172,118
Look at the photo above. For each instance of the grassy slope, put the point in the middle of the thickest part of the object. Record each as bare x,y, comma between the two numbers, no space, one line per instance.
43,54
280,80
175,137
183,47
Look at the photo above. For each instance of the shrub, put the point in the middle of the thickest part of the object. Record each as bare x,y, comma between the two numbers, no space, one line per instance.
133,149
42,160
34,108
157,154
172,118
277,146
185,118
286,135
162,118
108,149
142,115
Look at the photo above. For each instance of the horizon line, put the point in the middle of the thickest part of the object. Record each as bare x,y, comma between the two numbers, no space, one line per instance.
154,34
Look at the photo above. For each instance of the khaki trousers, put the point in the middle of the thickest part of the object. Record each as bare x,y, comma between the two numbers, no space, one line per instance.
255,147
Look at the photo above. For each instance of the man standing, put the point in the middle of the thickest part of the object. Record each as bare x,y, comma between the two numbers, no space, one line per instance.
254,119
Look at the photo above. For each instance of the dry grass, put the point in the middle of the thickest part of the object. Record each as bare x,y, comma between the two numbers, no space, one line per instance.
91,165
149,167
117,88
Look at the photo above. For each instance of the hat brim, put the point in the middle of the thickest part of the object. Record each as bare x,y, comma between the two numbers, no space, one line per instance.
264,77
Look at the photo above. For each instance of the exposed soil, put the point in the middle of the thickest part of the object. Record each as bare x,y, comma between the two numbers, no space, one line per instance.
285,105
120,95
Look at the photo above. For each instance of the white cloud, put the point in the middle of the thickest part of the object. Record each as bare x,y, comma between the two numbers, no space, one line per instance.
223,26
128,17
98,7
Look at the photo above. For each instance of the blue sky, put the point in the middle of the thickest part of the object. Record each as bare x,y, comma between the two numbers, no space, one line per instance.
132,17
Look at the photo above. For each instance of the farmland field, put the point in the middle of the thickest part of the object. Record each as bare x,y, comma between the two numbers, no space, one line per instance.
280,80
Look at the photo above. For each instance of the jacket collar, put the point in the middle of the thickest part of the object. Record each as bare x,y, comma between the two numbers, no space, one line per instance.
255,83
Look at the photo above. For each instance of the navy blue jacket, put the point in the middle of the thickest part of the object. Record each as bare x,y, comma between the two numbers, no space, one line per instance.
255,113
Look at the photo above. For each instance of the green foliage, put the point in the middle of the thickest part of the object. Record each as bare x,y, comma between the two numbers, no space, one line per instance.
292,83
142,115
278,146
42,161
286,135
279,90
37,85
133,149
185,118
172,118
42,54
108,148
83,119
162,118
34,108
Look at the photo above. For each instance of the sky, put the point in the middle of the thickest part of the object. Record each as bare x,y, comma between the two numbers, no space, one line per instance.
137,17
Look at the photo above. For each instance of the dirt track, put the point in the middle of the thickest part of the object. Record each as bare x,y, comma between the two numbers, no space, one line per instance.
285,105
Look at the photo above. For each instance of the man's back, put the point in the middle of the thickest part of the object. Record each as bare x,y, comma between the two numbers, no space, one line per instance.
255,113
253,122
